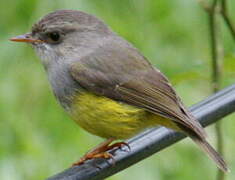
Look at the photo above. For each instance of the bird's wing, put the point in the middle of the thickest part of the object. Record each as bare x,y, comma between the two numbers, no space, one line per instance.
125,75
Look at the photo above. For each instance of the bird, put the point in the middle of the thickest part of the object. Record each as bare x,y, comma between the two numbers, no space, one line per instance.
106,85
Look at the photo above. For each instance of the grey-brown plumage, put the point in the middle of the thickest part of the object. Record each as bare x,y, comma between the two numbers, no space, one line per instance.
80,53
136,82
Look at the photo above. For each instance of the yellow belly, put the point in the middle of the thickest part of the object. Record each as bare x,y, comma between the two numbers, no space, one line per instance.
111,119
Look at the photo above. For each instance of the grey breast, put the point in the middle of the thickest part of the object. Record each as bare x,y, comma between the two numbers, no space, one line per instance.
63,85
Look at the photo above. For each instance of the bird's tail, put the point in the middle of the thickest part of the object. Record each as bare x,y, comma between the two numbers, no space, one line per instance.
211,152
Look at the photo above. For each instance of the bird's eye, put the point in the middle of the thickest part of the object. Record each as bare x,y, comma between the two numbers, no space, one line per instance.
54,37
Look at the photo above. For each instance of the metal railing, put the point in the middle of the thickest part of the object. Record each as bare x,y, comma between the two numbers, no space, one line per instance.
151,141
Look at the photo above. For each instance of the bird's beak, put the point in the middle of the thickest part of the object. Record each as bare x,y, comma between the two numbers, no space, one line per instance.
26,38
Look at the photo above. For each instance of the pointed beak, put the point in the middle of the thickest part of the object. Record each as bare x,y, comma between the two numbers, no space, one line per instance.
26,38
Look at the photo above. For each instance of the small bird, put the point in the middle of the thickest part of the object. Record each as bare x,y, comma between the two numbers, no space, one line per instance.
106,85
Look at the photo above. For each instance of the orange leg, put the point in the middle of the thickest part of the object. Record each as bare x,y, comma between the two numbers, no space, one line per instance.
101,151
119,145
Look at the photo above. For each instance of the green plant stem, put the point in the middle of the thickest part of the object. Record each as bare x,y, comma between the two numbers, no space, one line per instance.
227,20
216,68
216,74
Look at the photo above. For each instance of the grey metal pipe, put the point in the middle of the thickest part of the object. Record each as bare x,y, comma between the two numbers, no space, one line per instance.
151,141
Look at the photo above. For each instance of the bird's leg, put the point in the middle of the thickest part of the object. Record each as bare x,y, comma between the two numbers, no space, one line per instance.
119,145
100,151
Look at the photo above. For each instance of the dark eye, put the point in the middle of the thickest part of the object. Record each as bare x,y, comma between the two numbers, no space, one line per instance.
54,37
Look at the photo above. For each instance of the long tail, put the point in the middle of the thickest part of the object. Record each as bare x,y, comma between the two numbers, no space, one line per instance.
210,151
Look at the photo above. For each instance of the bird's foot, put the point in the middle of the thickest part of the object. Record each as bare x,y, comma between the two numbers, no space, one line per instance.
91,155
101,151
119,145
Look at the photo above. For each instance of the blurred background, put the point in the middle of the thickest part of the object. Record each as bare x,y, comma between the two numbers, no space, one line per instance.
37,138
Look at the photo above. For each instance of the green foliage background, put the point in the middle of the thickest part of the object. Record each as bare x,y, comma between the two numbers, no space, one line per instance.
37,139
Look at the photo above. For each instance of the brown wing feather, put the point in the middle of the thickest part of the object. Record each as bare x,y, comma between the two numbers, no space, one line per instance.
159,97
125,75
